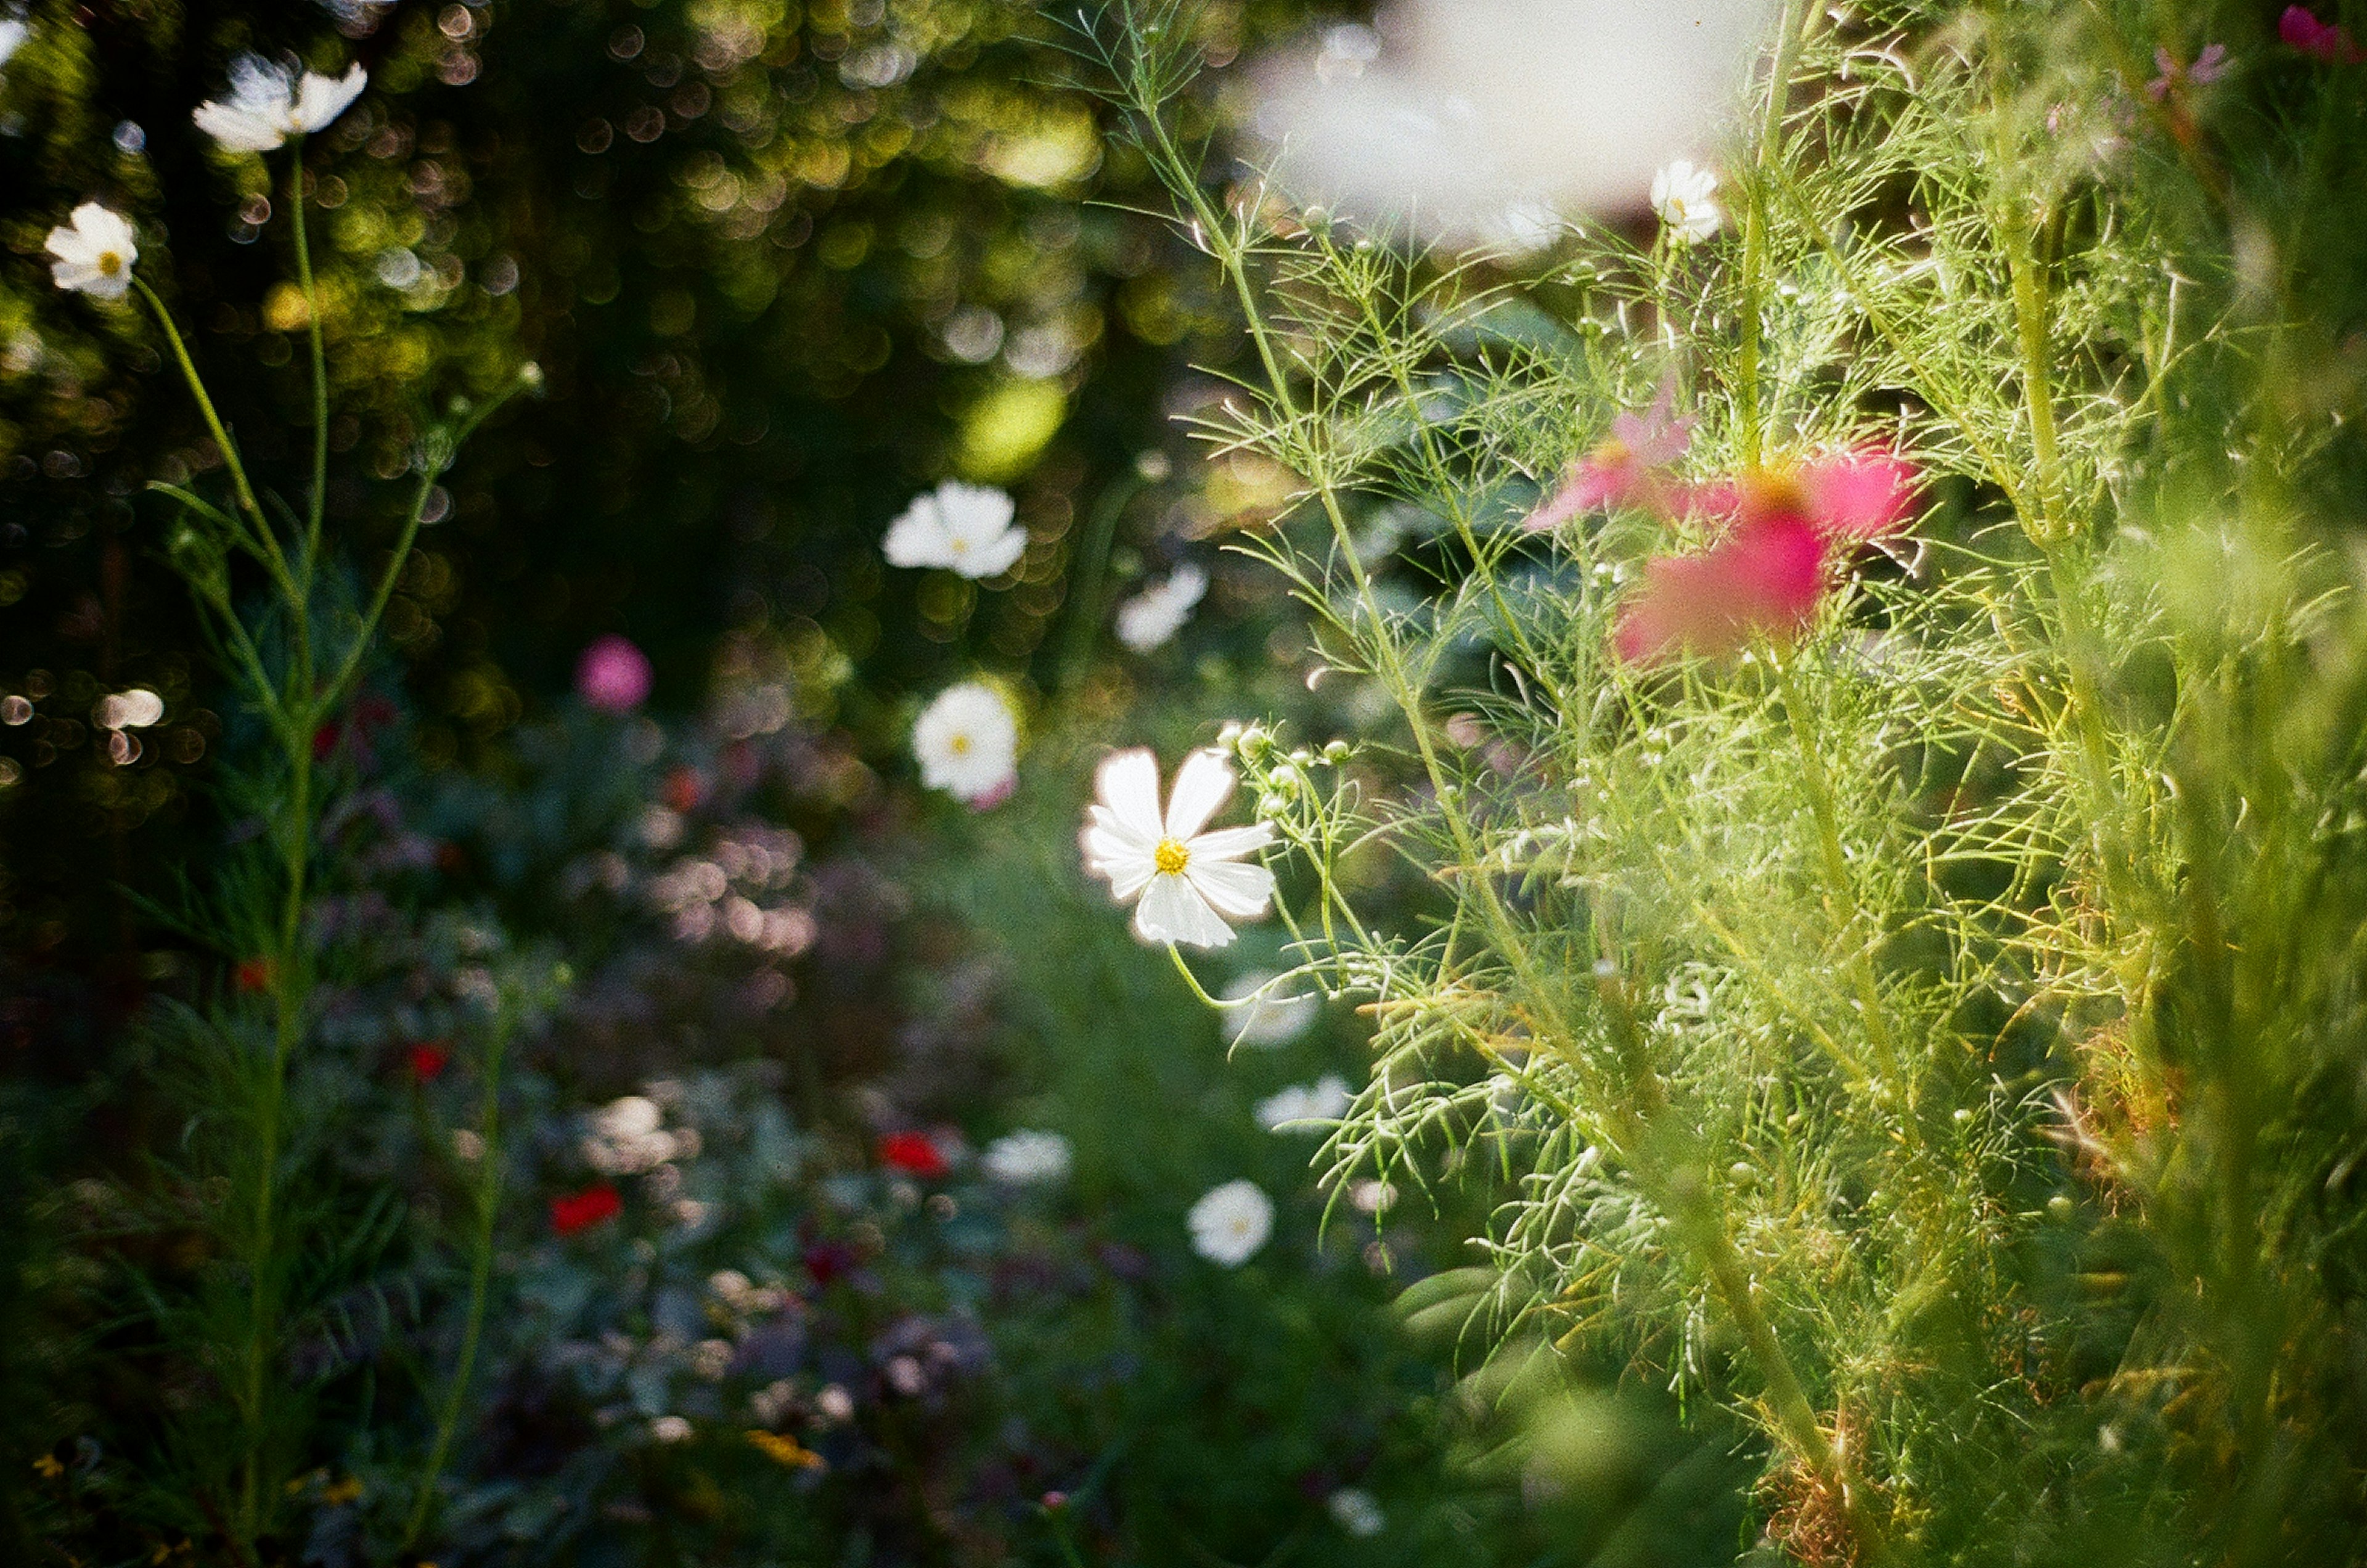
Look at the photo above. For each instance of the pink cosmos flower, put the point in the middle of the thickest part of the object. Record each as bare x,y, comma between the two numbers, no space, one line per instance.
613,676
2328,41
2208,67
1766,576
1624,468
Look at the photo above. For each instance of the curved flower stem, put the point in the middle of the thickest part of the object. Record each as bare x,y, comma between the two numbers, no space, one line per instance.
319,501
481,1266
1749,419
1841,896
263,544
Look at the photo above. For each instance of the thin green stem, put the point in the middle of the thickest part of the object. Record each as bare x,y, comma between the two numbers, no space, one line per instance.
481,1267
319,500
1841,894
1751,419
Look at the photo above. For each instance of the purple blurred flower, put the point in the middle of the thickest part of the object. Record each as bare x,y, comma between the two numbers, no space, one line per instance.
2208,67
613,675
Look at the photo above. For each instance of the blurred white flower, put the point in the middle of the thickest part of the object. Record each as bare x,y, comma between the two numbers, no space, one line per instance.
1269,1020
96,254
1306,1107
1231,1223
1353,1511
627,1138
1024,1158
268,103
1372,1197
967,744
1158,612
964,528
1685,198
1190,883
13,35
135,709
1451,114
669,1429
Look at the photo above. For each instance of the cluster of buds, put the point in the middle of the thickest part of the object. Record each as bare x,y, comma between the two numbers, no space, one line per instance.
1284,779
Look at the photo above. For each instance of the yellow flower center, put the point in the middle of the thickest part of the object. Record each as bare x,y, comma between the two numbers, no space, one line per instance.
958,745
1171,856
109,264
961,546
1612,453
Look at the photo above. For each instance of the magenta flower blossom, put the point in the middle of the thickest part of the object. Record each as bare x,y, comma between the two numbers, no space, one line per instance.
2208,67
1768,573
1624,467
2328,41
613,676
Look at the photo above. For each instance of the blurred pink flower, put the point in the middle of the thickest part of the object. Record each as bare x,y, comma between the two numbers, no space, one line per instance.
613,675
2208,67
2329,41
1767,574
1624,467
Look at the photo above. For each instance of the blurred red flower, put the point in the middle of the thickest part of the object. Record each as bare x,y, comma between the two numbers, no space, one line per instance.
915,1154
1765,576
685,788
255,975
428,1059
581,1210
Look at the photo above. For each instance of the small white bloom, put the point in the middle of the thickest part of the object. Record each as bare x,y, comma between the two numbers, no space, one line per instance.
12,38
669,1429
1158,612
1353,1511
268,103
1306,1107
627,1138
1026,1158
95,255
1372,1197
1231,1223
964,528
1269,1020
967,744
1190,883
1686,198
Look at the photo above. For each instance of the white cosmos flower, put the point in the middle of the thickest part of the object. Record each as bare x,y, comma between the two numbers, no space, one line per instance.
1302,1108
1231,1223
1686,199
95,255
1448,115
12,38
967,744
1024,1158
1269,1020
1158,612
1190,883
1355,1511
268,103
964,528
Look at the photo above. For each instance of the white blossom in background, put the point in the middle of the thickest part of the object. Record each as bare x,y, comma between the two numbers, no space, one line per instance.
1685,199
1231,1223
1159,612
95,253
1269,1020
1028,1158
1190,883
963,528
270,103
1306,1107
627,1138
1355,1511
13,35
1467,119
967,744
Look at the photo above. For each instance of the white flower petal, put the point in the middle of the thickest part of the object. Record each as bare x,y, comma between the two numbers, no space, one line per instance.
321,99
995,557
917,537
1239,891
12,38
1172,910
1128,782
980,510
1202,785
1230,843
